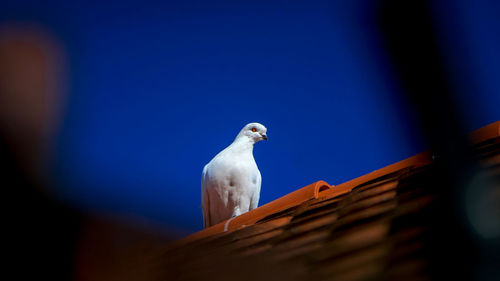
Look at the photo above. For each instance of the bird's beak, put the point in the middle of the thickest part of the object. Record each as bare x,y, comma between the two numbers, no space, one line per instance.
264,137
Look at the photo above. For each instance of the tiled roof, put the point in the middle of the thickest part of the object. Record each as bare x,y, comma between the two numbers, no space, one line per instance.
372,227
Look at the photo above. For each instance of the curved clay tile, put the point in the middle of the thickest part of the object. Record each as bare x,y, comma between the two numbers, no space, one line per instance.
312,191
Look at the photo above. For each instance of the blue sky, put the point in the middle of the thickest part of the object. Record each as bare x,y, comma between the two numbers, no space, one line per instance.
157,89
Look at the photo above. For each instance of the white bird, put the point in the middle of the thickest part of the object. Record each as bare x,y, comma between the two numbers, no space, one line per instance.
230,182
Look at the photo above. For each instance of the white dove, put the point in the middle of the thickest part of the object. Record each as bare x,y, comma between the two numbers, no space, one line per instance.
230,182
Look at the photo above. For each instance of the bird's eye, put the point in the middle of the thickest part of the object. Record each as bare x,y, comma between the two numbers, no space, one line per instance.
254,130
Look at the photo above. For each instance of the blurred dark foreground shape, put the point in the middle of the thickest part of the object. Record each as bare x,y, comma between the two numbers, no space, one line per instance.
45,238
41,233
464,232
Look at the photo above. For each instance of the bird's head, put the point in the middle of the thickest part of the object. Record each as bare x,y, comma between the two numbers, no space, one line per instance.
254,131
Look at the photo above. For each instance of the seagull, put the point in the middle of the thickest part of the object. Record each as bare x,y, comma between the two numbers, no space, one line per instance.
230,182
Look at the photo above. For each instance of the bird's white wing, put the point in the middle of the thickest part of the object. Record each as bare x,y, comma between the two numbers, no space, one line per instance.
254,203
205,200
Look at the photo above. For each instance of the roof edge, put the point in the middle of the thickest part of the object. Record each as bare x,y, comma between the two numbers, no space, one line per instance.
418,160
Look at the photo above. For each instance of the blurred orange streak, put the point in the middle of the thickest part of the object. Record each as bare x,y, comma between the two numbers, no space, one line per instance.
33,80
